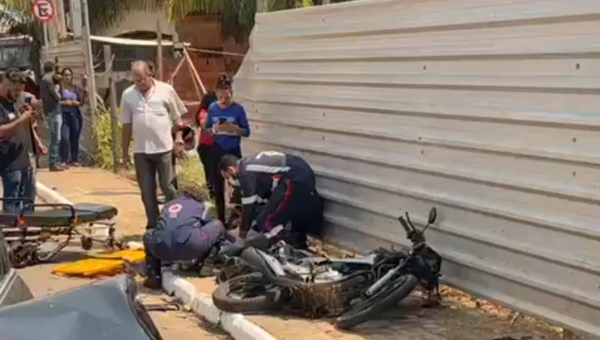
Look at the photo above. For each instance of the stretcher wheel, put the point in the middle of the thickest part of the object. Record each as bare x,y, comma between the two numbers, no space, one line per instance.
113,244
22,255
86,243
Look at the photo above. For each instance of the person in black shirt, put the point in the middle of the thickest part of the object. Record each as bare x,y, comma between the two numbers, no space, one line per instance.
49,94
17,92
278,192
15,165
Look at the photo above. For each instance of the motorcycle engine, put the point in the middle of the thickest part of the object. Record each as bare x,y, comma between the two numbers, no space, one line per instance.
328,275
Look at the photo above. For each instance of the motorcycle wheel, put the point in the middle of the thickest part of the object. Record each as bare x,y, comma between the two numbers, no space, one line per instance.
252,295
396,291
232,268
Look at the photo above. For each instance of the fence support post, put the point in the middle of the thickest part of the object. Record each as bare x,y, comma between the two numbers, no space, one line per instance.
260,6
112,92
159,54
89,60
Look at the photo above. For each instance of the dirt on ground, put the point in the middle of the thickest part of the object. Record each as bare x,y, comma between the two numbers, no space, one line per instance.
456,319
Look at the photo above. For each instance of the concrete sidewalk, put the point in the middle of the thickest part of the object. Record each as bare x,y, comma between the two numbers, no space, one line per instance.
80,185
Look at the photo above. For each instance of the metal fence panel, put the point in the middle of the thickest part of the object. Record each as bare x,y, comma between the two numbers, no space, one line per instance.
487,109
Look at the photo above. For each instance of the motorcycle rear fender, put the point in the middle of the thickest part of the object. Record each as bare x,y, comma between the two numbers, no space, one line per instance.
258,261
272,262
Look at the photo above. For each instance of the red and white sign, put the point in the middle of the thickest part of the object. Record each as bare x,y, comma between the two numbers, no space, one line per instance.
43,10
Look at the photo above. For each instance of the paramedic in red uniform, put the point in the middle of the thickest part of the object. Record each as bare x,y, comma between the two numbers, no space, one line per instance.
278,192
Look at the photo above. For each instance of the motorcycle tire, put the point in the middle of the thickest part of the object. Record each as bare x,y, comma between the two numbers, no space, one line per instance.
264,301
388,297
234,267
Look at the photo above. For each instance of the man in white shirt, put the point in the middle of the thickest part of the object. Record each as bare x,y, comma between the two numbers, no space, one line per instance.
149,111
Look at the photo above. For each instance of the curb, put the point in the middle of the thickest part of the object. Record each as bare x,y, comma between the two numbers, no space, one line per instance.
201,304
236,325
50,196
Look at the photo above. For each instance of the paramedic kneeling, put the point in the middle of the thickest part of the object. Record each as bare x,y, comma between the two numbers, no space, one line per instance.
183,233
277,190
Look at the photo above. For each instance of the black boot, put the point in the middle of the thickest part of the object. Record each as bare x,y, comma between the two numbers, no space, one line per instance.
153,279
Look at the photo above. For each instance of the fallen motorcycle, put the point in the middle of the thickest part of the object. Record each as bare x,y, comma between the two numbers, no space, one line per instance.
280,282
301,264
398,274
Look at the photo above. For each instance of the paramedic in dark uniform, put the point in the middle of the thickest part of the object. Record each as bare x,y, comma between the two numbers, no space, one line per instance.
277,189
183,232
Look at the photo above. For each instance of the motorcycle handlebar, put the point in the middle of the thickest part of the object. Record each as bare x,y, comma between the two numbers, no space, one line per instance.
404,225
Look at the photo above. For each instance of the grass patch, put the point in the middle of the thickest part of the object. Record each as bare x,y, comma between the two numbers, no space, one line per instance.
190,176
105,145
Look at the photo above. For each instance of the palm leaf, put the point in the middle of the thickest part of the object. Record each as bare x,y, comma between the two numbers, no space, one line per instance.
237,16
15,16
106,13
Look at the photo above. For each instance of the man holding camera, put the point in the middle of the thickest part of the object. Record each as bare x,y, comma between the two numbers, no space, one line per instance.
15,142
49,93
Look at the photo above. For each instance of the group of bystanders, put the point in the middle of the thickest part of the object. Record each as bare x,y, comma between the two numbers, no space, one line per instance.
20,145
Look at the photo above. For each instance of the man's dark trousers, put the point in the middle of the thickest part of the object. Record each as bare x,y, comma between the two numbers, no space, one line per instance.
293,202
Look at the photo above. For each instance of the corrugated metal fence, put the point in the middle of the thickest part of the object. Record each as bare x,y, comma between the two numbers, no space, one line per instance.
487,109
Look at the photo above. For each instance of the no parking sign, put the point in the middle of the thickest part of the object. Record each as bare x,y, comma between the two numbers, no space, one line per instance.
43,10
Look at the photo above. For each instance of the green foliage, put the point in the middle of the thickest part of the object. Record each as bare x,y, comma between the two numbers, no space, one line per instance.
105,13
16,17
237,16
190,177
104,143
190,174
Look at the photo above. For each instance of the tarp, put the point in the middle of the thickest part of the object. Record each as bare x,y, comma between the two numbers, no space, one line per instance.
106,310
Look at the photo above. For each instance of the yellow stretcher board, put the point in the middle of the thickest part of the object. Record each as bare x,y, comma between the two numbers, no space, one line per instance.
103,264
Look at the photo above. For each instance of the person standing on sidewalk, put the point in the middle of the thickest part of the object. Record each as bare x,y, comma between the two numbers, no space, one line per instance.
49,93
36,147
26,97
228,123
15,165
205,142
149,110
70,97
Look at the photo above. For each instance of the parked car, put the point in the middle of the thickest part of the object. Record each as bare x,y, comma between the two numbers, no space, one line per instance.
107,309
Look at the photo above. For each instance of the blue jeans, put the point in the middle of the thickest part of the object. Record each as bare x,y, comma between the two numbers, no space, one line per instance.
55,122
69,144
19,189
